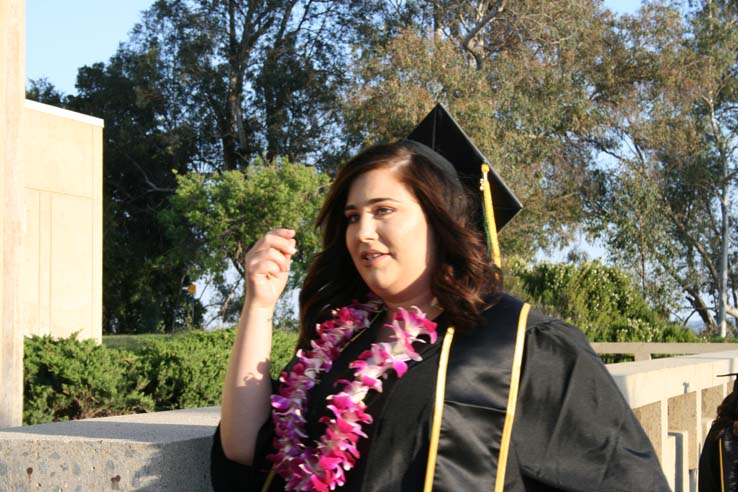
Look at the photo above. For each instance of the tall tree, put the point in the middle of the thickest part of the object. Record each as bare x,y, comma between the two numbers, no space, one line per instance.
201,87
218,218
260,78
673,135
517,75
145,138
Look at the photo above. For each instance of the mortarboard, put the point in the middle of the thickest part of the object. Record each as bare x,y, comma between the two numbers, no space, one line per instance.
440,133
735,383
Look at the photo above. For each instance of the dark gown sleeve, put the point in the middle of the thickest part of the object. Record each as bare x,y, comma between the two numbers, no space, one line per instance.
227,475
573,429
230,476
709,467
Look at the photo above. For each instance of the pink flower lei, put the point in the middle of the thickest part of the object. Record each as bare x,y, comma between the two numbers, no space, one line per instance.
321,467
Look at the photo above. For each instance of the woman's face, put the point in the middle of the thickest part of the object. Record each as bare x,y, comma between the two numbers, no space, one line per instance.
389,238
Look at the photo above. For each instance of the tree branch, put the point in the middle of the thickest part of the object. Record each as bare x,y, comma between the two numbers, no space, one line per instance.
471,44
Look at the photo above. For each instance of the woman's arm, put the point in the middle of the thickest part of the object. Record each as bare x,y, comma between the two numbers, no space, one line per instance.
247,388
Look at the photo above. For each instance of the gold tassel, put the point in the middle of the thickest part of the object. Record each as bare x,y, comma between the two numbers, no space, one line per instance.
489,218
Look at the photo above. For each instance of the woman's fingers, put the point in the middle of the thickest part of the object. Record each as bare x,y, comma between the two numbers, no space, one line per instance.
272,253
267,261
268,264
279,239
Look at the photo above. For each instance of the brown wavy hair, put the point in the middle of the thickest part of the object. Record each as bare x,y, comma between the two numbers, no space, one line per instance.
464,279
727,416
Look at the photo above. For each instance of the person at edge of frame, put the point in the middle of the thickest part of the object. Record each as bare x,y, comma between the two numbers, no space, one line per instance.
487,394
718,466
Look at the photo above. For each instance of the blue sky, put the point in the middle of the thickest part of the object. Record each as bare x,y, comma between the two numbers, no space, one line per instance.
63,36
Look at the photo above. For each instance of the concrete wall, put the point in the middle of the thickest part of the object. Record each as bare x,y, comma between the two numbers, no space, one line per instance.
50,221
62,243
675,400
12,90
154,452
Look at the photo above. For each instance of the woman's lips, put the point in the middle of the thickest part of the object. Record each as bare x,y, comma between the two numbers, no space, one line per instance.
372,258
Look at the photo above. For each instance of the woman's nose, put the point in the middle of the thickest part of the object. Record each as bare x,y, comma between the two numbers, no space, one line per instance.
366,229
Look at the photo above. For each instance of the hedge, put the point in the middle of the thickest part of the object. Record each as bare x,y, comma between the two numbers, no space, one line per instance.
70,379
67,379
601,300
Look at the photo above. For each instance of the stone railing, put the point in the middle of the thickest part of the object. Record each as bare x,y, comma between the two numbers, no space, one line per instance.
153,452
675,399
644,351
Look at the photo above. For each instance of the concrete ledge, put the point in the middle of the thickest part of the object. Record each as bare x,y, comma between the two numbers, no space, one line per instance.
645,382
64,113
163,451
170,451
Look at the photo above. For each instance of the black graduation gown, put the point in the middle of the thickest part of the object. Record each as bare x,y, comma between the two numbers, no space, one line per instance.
573,431
719,473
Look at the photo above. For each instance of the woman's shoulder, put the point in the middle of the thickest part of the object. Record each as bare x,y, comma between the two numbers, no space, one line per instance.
542,331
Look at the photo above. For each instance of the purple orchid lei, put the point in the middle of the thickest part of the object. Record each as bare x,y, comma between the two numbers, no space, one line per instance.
321,467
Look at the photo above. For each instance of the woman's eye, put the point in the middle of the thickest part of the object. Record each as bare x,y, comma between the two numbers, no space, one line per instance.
352,219
383,211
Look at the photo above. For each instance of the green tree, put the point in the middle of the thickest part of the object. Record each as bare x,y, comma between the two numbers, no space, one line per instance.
258,78
672,138
601,300
226,213
43,91
521,78
145,137
203,87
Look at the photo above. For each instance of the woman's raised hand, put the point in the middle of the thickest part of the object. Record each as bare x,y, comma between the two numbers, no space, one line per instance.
268,266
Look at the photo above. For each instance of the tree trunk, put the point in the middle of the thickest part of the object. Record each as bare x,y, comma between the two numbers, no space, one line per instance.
695,299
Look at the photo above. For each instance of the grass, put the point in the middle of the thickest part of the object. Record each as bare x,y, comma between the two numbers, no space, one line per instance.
132,343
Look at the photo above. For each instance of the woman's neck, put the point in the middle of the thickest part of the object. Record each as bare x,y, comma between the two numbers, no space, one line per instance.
425,302
428,304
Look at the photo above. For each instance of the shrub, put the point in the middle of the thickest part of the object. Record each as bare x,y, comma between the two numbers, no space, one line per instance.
74,379
601,300
187,370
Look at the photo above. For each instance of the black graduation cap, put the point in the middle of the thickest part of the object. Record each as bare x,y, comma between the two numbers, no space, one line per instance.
440,132
735,383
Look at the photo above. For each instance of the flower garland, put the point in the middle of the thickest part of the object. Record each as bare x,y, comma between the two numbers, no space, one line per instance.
321,467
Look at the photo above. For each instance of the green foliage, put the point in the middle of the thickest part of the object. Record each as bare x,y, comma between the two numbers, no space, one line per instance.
228,212
253,78
145,138
602,301
283,349
667,199
520,82
131,343
186,370
73,379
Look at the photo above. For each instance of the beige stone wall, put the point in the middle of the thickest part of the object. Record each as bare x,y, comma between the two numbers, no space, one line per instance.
51,217
12,78
62,243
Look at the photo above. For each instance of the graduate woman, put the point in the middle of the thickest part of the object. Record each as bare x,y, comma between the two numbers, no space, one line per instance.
718,468
415,372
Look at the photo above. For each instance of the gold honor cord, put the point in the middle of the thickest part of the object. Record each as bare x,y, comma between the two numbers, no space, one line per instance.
512,398
722,471
489,217
268,482
438,409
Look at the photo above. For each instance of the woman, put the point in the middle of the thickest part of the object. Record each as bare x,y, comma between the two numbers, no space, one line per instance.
438,381
718,469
